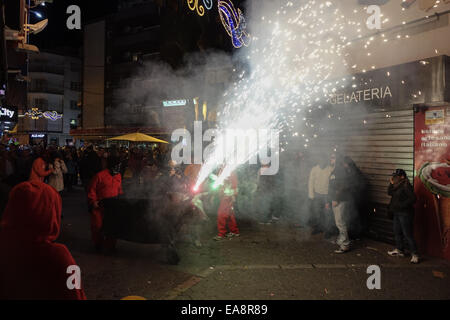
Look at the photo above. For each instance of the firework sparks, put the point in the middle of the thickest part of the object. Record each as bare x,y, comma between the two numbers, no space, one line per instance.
293,54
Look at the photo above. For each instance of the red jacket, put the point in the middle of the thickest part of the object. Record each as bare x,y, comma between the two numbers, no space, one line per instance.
38,171
104,185
32,266
232,183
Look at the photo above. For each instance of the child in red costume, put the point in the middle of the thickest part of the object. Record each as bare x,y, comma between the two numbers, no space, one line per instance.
32,265
38,170
226,214
105,184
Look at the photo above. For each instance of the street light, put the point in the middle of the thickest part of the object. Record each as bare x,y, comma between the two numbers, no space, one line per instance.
37,14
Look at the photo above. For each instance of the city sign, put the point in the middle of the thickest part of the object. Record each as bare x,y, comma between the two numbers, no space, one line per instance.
8,114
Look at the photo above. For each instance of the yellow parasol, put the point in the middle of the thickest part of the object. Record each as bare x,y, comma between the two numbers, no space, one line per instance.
137,137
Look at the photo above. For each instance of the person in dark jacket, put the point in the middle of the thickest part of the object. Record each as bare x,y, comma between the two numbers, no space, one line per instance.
401,209
268,202
339,193
357,211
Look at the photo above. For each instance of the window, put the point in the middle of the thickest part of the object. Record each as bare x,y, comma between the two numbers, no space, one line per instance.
40,103
74,105
73,124
39,85
75,86
75,67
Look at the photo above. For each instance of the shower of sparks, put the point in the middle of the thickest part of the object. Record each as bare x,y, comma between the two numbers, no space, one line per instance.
294,54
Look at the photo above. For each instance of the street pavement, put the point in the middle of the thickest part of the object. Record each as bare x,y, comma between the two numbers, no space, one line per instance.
268,262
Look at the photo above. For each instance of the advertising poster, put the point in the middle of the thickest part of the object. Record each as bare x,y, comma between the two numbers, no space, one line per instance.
432,180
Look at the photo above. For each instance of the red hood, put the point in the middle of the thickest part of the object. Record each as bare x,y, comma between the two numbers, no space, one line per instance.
33,213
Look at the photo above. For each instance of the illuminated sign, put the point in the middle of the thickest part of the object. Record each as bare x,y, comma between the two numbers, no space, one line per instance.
174,103
200,9
37,135
361,95
8,114
36,114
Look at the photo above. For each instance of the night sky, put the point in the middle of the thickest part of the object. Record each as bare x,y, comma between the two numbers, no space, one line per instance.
56,36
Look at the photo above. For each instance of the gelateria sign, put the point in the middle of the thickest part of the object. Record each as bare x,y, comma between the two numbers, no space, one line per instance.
358,96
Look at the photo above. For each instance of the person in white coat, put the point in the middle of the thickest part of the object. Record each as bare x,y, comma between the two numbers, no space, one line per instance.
319,179
56,179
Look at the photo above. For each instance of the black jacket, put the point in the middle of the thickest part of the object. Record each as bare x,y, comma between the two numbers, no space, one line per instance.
403,198
340,186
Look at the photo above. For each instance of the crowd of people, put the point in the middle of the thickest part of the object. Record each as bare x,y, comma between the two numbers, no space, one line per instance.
327,193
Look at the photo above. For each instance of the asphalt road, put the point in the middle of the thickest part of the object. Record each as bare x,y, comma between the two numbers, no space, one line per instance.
266,262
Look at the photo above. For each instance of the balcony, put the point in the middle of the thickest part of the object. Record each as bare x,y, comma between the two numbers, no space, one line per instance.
46,69
46,89
58,107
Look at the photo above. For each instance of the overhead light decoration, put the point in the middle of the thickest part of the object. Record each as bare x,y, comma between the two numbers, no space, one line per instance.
234,23
52,115
37,114
200,9
208,4
233,20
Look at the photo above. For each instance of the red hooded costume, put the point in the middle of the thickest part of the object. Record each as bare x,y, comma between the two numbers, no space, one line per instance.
103,186
225,214
32,266
38,171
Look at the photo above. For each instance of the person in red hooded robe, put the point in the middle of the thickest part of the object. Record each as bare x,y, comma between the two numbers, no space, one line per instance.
32,265
105,184
38,170
226,214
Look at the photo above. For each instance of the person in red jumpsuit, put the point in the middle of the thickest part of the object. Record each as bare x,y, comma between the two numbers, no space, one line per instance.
32,265
226,214
38,170
105,184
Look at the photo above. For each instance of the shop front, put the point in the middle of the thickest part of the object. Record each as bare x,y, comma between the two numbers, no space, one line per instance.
38,139
398,117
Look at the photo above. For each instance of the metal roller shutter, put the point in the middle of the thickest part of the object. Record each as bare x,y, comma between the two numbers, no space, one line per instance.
378,142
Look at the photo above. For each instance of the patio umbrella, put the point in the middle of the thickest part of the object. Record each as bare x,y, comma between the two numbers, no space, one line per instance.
137,137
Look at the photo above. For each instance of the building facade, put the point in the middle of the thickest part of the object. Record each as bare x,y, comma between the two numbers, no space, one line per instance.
135,65
53,101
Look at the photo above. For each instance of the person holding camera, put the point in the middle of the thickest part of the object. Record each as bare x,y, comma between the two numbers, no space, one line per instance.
401,210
